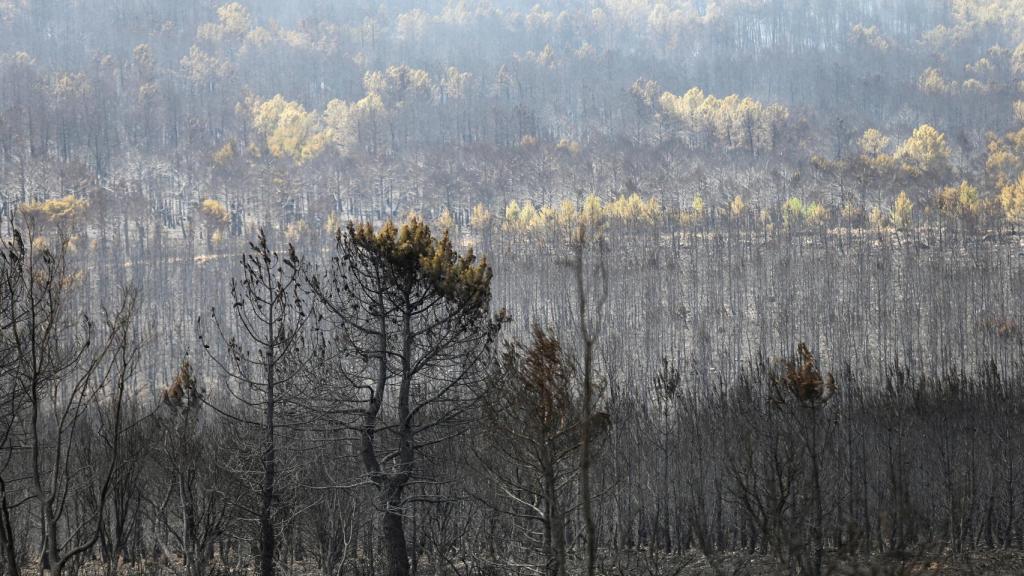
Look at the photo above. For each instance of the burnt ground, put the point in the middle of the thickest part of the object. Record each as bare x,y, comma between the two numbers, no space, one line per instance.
975,563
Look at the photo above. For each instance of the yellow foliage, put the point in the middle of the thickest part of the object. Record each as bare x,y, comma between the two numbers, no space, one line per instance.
511,212
233,20
23,59
57,210
294,38
592,210
481,218
445,222
968,198
792,210
455,83
367,109
869,36
224,153
397,85
653,210
290,130
815,214
333,223
413,250
69,86
585,51
698,205
795,210
737,207
234,17
877,218
959,201
1011,198
647,92
545,217
527,216
973,85
295,230
634,209
695,214
570,146
566,213
902,210
733,121
983,68
9,9
932,82
873,143
925,152
258,37
1004,157
214,212
200,67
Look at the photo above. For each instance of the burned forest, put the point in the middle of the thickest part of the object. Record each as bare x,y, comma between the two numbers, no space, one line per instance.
503,287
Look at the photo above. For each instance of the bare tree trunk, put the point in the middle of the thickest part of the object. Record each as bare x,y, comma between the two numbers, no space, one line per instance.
554,525
267,493
585,489
817,528
394,531
50,532
589,332
7,534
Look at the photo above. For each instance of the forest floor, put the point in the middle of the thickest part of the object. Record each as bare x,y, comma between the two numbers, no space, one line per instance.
978,563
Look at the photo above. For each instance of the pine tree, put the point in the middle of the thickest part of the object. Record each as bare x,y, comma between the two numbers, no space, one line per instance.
415,333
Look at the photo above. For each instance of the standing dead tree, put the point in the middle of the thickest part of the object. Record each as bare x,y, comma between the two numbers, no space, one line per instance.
262,359
12,313
197,495
588,264
808,391
68,379
778,442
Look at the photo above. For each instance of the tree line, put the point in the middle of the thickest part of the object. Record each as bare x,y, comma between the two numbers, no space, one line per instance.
307,111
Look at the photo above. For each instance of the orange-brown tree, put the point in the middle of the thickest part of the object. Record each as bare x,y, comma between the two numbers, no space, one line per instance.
532,415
